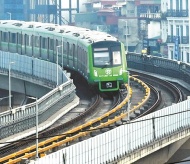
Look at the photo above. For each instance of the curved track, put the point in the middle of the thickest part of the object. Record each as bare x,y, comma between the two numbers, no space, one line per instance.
106,121
81,131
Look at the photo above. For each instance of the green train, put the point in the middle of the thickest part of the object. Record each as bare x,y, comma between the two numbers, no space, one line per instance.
99,57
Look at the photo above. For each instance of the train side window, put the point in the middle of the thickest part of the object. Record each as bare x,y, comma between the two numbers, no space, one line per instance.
36,41
47,44
24,39
4,36
13,37
51,45
68,52
73,50
43,42
64,47
67,48
74,54
55,44
59,43
30,40
116,55
18,38
27,40
79,57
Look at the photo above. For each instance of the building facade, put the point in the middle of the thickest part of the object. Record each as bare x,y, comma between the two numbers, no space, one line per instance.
177,21
47,11
12,9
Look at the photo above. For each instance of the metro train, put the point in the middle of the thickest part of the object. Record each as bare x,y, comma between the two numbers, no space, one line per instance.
99,57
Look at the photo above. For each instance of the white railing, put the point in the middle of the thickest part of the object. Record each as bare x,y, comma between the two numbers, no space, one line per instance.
125,139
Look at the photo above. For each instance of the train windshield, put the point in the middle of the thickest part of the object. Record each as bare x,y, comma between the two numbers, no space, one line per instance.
104,57
101,57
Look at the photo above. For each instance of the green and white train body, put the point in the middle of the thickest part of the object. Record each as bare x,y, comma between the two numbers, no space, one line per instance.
97,56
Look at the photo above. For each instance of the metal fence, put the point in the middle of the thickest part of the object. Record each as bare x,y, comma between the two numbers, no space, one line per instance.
24,117
125,139
31,66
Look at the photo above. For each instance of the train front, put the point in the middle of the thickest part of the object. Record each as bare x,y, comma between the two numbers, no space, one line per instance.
108,65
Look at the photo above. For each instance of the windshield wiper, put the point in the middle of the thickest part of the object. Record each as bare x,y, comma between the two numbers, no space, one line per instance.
107,63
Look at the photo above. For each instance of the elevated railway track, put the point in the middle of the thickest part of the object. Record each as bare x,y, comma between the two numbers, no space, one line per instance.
106,120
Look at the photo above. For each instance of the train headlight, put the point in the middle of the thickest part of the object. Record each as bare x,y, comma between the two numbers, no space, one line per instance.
120,71
95,73
108,85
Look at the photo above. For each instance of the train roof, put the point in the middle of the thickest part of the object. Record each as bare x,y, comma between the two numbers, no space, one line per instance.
85,34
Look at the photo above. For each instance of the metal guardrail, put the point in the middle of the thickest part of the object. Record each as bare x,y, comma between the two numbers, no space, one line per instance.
24,117
125,140
33,67
161,66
